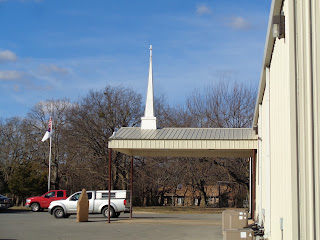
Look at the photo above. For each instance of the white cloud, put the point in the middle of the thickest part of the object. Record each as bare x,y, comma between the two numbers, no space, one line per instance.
52,68
10,75
203,9
7,56
239,23
23,80
56,105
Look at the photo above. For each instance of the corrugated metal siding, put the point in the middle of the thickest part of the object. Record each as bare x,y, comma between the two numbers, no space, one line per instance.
183,144
281,147
258,215
316,39
308,116
289,133
280,134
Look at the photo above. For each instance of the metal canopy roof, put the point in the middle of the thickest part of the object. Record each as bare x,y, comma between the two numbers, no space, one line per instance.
185,142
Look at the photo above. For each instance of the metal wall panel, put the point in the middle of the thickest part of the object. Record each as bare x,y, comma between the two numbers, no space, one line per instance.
184,144
308,116
280,133
294,122
316,47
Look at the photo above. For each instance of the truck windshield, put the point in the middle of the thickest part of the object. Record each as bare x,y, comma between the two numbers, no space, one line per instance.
49,195
76,196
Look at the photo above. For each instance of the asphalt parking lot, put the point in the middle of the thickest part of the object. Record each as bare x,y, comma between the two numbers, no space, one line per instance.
15,224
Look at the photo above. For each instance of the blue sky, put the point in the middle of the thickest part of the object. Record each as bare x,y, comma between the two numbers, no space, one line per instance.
53,49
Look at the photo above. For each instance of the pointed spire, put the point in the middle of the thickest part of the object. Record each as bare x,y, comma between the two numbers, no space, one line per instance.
149,121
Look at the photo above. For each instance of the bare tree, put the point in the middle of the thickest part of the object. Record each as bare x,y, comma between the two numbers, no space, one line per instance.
21,175
11,147
222,105
230,105
92,121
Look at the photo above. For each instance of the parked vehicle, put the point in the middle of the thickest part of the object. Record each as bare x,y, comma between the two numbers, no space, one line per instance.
5,202
98,203
41,202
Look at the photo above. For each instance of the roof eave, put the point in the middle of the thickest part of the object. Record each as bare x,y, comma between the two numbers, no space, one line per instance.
270,40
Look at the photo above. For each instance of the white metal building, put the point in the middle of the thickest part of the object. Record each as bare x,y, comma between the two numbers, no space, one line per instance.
288,121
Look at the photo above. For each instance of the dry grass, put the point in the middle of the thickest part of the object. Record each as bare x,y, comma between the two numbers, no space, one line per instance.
156,209
178,210
20,208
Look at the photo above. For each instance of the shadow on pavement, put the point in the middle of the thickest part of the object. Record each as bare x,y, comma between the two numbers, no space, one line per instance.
14,211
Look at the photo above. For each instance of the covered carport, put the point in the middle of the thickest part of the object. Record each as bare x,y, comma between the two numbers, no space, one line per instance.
186,142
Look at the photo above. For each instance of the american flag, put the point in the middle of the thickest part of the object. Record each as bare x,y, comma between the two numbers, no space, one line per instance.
48,132
50,125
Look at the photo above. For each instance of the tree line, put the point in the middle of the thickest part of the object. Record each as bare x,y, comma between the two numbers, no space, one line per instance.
81,130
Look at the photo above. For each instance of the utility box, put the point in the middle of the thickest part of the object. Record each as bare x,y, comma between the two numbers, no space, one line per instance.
238,234
234,219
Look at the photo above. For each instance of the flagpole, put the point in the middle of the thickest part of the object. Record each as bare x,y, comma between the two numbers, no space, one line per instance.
49,167
49,176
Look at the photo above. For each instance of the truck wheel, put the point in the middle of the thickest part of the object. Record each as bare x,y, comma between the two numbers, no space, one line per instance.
58,212
105,212
35,207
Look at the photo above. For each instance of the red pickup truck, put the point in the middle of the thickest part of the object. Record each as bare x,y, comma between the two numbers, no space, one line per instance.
41,202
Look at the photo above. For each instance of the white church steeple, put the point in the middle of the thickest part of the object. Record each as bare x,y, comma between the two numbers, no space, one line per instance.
149,121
